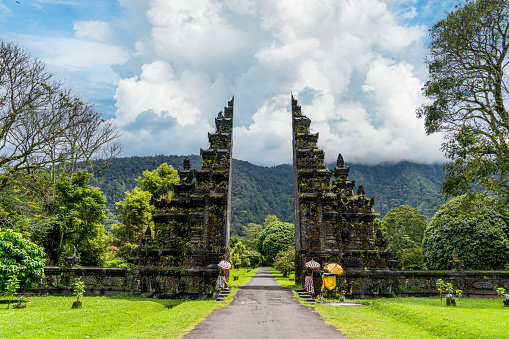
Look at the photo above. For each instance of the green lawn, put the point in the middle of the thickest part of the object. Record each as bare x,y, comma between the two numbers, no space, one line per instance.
416,318
103,317
420,318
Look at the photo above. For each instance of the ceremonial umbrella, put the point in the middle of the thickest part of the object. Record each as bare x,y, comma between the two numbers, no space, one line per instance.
224,265
334,268
312,265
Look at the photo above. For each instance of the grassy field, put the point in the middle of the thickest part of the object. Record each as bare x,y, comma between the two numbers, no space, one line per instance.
421,318
106,317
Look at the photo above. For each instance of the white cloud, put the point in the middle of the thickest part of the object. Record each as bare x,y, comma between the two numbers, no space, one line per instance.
349,63
94,30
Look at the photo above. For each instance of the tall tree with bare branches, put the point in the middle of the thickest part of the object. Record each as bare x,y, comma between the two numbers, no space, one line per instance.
43,124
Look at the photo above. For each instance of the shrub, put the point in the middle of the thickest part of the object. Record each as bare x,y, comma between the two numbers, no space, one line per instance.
21,259
412,260
285,261
470,225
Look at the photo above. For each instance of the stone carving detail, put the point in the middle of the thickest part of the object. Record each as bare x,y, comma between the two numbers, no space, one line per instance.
332,224
483,285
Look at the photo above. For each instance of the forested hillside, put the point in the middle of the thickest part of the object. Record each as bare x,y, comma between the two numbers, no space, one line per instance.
258,191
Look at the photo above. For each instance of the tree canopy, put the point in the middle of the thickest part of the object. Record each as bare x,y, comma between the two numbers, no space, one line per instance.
404,229
471,226
467,61
77,215
277,237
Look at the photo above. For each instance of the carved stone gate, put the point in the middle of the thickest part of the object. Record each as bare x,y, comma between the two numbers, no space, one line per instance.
332,223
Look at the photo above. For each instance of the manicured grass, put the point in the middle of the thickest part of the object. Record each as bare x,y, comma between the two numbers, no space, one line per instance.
283,281
103,317
420,318
416,318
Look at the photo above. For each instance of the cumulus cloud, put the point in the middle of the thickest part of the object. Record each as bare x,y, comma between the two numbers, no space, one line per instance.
351,64
94,30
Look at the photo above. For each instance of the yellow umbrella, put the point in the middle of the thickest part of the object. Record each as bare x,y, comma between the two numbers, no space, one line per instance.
334,268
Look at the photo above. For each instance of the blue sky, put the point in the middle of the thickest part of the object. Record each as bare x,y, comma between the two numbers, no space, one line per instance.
163,69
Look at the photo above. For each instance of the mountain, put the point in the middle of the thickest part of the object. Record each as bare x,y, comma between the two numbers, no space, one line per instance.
258,191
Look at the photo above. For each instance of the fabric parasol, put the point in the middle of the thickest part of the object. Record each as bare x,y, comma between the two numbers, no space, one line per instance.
224,265
312,265
335,268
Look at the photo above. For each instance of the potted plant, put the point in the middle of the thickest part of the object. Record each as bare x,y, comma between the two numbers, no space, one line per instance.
79,288
505,297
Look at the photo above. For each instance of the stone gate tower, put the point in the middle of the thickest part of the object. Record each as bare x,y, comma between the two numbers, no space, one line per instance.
332,223
192,230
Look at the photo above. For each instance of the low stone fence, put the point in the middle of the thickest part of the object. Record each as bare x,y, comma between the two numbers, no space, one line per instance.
147,282
199,283
365,284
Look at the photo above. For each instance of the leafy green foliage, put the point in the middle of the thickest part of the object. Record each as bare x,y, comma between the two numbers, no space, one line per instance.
238,255
277,237
412,259
136,214
468,56
78,288
20,260
470,225
285,261
404,229
155,181
77,215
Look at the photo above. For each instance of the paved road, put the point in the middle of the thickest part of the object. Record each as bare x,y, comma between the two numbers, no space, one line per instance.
263,309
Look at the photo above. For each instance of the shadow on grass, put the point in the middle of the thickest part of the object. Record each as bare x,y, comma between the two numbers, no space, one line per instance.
168,303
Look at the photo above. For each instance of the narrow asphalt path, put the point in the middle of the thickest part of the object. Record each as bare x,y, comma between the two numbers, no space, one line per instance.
263,309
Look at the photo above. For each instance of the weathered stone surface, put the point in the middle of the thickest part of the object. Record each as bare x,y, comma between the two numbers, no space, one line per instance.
332,223
192,230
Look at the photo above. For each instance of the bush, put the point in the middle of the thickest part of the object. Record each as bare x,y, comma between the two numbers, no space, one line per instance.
285,261
21,259
412,260
277,237
470,225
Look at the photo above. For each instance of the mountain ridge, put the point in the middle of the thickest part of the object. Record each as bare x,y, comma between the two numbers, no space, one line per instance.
260,190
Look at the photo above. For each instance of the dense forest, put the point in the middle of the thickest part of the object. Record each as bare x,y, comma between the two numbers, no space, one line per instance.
258,191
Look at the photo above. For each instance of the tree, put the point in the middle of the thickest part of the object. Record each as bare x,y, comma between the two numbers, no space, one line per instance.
270,219
285,261
135,213
404,229
42,124
467,60
472,226
155,181
252,232
20,260
274,239
77,212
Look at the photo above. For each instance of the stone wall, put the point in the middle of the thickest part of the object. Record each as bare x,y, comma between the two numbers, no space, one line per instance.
188,283
149,282
367,284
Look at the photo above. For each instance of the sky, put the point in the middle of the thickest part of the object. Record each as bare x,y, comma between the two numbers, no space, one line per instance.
162,70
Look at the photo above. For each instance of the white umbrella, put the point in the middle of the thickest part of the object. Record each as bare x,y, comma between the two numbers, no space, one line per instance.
224,265
312,265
